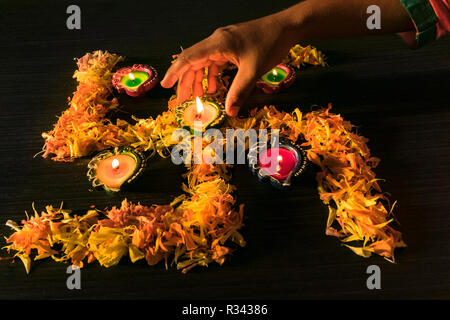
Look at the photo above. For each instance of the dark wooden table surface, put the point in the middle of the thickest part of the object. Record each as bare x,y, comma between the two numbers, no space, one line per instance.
397,97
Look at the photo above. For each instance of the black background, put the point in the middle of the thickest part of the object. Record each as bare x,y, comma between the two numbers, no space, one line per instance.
397,97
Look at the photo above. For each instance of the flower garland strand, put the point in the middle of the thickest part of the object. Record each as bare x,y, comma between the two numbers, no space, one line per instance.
193,229
299,56
346,182
83,127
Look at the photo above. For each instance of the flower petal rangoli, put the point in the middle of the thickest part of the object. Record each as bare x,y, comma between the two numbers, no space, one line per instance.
203,224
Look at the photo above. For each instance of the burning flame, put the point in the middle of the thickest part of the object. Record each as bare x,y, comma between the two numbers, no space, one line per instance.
131,76
199,107
115,164
279,159
274,72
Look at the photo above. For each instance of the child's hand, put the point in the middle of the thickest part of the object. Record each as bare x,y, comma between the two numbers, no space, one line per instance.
254,47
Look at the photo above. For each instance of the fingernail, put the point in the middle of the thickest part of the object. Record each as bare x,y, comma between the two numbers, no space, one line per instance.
233,111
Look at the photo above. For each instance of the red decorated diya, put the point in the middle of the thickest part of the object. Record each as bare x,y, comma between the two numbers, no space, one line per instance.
279,163
280,77
135,80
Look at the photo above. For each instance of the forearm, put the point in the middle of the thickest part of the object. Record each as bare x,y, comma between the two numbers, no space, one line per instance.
322,19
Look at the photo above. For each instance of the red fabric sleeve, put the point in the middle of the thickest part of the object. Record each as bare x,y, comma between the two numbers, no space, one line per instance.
442,10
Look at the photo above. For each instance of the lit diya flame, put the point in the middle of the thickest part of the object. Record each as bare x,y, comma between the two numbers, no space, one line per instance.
278,78
199,114
279,163
279,159
136,80
112,169
200,108
115,164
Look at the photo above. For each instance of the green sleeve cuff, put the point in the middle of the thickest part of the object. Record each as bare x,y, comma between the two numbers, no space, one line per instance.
424,18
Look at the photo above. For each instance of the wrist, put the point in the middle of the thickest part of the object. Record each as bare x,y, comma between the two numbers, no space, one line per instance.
291,22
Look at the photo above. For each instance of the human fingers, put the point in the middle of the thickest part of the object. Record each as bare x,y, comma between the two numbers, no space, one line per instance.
213,72
241,88
176,70
185,85
197,87
195,57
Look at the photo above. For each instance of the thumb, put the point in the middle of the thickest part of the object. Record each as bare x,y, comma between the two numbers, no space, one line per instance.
240,89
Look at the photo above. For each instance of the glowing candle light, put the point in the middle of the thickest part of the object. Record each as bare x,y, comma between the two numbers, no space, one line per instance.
199,107
279,163
115,163
198,115
286,161
135,80
280,77
111,169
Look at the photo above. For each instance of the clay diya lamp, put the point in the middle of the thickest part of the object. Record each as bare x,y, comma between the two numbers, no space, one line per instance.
135,80
115,168
199,115
280,163
277,79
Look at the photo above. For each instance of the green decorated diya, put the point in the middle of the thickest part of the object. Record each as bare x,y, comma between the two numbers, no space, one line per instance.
199,115
274,76
135,80
114,168
280,77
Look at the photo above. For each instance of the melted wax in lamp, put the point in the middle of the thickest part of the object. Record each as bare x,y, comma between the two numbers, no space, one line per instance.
275,76
134,79
277,162
280,77
114,171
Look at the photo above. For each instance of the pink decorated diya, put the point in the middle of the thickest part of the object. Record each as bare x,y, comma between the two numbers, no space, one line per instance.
135,80
280,77
279,163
